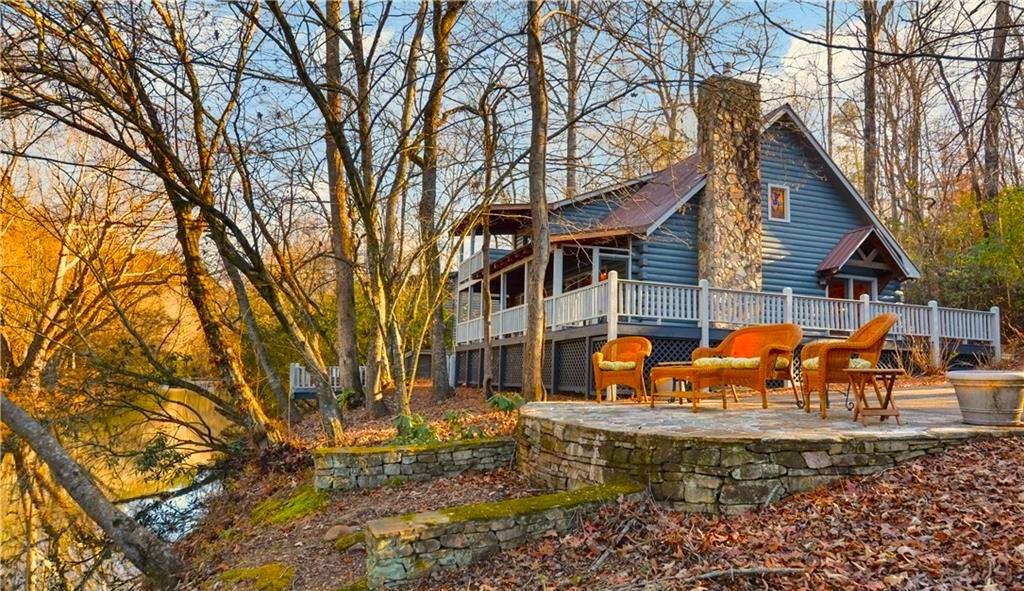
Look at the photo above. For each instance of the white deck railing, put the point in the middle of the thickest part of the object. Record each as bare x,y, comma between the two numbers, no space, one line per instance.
644,302
300,379
471,265
578,307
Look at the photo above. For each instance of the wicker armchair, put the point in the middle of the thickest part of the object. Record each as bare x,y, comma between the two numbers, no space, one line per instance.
769,342
834,357
624,349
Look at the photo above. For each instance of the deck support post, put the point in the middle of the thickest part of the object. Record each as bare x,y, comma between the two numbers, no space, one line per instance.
934,334
865,308
613,315
704,312
557,263
997,345
613,305
294,375
787,310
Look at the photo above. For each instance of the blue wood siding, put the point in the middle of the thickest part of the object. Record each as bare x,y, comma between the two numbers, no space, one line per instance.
670,253
581,216
820,212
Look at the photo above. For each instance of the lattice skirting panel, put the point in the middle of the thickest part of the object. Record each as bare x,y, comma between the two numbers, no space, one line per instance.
566,364
573,366
474,361
512,367
495,365
461,368
546,364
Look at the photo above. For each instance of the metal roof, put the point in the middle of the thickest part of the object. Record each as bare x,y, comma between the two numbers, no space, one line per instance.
848,245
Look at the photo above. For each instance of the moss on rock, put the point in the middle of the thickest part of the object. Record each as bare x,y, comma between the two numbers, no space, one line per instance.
274,576
357,585
304,501
345,542
536,504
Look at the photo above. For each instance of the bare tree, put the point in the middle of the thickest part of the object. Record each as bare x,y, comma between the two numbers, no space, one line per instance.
873,19
342,242
533,344
993,95
445,16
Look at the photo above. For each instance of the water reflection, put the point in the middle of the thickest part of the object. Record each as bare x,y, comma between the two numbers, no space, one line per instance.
51,545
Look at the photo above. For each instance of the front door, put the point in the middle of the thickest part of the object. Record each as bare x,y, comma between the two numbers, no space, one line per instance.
847,315
850,288
862,287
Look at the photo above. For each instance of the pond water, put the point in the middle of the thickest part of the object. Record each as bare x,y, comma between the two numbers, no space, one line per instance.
164,489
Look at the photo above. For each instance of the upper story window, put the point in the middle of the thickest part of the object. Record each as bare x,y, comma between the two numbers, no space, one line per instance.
778,203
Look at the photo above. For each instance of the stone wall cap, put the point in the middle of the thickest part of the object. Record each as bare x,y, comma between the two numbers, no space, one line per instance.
417,447
412,522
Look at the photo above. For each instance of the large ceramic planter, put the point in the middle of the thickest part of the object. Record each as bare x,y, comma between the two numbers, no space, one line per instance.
989,397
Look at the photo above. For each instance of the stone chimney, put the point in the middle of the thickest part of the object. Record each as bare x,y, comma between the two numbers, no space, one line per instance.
729,217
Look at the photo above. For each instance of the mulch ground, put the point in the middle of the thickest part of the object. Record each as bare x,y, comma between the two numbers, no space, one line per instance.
227,538
947,522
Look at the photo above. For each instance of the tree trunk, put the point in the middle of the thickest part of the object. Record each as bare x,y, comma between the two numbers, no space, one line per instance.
443,21
533,345
342,242
830,15
993,95
572,92
222,354
258,346
148,553
870,127
485,305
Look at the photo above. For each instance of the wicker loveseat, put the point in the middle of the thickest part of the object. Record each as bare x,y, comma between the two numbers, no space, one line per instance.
771,344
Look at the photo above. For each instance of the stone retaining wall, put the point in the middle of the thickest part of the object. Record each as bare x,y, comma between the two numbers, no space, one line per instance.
348,468
402,549
713,474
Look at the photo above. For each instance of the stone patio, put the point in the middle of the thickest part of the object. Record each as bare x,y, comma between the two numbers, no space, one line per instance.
930,410
731,460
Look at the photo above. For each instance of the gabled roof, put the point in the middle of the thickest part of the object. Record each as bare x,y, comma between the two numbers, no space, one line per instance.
501,217
844,249
853,241
669,189
664,192
908,266
659,198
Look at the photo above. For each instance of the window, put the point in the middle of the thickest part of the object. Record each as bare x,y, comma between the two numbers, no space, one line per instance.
607,262
778,203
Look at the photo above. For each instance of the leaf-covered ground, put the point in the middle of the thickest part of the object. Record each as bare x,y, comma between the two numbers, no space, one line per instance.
954,521
236,537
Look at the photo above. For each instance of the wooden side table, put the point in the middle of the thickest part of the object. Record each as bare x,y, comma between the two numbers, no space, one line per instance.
886,408
698,377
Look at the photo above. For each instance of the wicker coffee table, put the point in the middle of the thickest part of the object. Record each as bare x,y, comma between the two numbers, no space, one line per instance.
698,377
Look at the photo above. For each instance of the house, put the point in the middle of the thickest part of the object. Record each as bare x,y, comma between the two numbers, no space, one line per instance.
759,225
